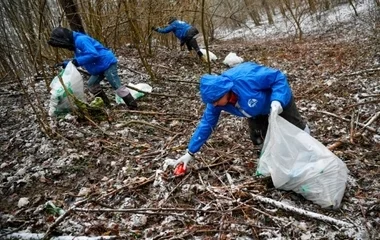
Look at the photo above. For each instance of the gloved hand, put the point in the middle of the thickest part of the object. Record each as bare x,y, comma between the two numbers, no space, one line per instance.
275,108
65,62
154,29
185,159
75,62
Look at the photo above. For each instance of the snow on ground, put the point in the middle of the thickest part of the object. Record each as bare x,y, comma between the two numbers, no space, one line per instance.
283,27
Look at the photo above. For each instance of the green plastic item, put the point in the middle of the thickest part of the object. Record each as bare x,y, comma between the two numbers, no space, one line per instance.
97,102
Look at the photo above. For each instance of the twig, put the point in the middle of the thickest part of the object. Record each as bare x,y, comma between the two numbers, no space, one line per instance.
362,103
150,211
214,165
146,123
162,66
352,125
159,94
335,145
96,125
15,230
182,81
148,113
368,96
128,185
132,70
376,116
348,120
34,236
358,72
301,211
61,218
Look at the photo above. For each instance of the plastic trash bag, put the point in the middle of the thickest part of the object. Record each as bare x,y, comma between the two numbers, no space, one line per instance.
232,59
59,103
212,56
135,94
298,162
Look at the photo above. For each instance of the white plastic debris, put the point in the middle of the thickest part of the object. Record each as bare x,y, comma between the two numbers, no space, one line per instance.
84,191
23,202
232,59
138,220
212,56
135,94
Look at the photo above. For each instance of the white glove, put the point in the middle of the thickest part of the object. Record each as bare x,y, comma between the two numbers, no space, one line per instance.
185,159
275,107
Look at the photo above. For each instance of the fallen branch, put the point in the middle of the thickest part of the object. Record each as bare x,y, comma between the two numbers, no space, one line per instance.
376,116
302,212
61,218
159,94
182,81
146,123
358,72
129,185
348,120
335,145
362,103
149,211
37,236
148,113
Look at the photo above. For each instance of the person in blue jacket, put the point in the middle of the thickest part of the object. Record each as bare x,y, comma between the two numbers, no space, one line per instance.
246,90
184,32
99,61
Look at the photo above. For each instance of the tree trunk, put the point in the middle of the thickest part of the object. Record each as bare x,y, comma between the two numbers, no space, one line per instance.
267,11
72,15
252,12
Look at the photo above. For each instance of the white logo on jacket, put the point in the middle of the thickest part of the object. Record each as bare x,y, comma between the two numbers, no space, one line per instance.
252,102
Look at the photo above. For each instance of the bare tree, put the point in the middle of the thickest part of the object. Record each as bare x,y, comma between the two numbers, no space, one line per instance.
297,12
72,15
252,11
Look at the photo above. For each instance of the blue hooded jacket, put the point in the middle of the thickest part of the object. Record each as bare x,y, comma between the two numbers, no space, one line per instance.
179,28
255,86
91,54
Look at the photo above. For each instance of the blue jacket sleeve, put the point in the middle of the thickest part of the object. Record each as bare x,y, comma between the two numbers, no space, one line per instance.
167,29
88,52
204,129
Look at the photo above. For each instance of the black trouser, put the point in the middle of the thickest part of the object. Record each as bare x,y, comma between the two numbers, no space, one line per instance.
258,125
190,41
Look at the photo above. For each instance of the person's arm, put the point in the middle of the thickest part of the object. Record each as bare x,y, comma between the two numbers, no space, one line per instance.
88,52
204,129
166,29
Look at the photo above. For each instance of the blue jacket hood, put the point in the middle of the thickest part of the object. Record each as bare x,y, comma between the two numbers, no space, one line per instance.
213,87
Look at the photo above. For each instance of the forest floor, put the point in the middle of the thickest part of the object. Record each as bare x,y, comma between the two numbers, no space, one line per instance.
110,180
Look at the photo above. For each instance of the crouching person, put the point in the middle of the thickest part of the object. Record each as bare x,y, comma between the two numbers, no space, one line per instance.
246,90
99,61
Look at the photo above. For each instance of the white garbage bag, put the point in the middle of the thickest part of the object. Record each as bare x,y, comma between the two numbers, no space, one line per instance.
135,94
298,162
59,103
212,56
232,59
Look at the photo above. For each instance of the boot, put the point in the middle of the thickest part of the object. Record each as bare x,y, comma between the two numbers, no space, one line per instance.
104,97
130,101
